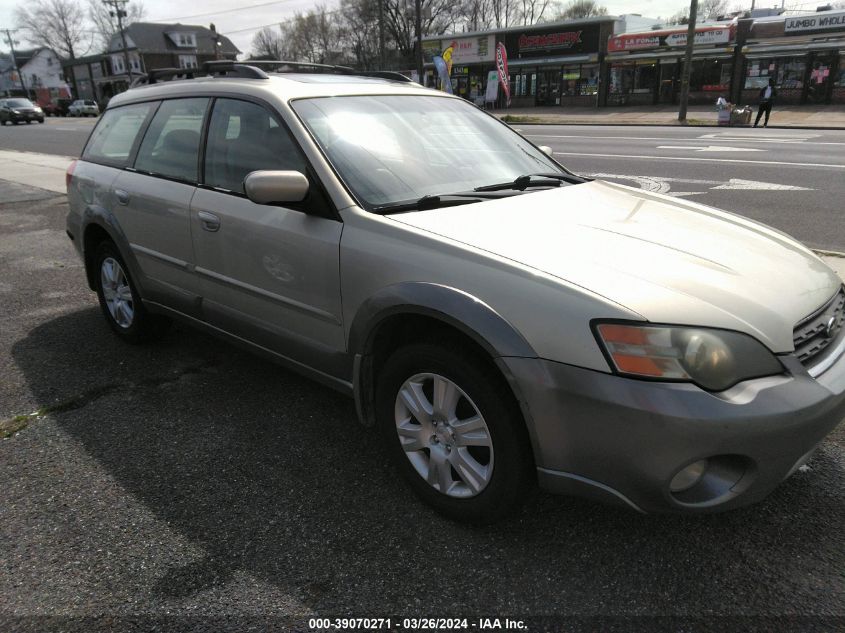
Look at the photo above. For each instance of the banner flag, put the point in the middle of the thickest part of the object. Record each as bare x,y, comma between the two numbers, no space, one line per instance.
443,73
502,68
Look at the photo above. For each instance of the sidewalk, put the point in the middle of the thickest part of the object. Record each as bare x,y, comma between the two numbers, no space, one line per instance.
45,171
817,117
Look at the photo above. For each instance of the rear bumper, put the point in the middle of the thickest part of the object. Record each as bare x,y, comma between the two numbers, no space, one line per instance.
624,440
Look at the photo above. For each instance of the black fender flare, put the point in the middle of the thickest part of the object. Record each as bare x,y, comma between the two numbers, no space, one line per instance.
461,310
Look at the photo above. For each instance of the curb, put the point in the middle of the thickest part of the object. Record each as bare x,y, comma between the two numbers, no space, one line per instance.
688,125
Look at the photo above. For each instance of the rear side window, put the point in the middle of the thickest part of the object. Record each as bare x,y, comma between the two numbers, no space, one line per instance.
171,145
113,138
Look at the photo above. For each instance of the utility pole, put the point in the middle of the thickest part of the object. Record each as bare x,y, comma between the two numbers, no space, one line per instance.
15,61
118,10
216,37
419,42
381,34
687,68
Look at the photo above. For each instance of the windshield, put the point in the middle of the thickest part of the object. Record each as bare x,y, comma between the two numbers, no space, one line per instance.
398,148
19,103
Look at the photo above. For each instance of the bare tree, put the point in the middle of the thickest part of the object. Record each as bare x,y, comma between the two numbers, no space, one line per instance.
56,24
681,17
533,10
712,9
105,24
267,43
578,9
358,32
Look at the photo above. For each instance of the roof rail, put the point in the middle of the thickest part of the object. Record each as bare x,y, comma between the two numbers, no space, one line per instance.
343,70
251,70
223,67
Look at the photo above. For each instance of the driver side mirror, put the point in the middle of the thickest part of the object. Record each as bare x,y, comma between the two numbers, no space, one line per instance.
272,187
546,150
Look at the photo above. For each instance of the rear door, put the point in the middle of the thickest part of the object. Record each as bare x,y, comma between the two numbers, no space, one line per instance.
269,273
152,202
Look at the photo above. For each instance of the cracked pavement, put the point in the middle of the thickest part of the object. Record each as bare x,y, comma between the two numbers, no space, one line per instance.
186,485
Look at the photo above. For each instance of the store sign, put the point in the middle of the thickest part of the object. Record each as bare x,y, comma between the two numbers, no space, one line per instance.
550,41
635,41
819,22
472,50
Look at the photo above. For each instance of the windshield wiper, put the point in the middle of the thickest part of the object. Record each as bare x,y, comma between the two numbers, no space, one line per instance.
428,202
533,180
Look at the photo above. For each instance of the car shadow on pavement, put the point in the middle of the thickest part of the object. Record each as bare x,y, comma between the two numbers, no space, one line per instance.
270,474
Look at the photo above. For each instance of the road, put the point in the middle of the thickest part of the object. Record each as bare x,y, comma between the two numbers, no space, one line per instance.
793,180
187,485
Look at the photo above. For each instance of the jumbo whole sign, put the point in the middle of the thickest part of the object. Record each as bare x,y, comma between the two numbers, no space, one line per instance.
825,21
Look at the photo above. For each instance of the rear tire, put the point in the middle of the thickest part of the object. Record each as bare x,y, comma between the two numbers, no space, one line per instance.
120,302
454,431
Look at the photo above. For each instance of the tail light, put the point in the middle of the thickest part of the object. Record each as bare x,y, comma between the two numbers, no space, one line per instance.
69,174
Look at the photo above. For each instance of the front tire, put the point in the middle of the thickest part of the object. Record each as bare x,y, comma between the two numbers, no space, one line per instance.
120,302
454,431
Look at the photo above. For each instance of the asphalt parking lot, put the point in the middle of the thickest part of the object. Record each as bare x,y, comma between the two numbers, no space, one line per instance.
188,485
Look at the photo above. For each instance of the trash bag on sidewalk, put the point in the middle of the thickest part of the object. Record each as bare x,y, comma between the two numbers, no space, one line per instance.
741,116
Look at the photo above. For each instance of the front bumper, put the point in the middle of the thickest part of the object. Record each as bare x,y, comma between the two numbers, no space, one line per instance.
623,440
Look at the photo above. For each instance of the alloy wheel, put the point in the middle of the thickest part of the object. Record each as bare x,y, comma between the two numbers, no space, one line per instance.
117,292
444,435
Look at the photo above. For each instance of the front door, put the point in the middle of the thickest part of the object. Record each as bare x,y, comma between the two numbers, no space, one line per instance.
270,274
819,80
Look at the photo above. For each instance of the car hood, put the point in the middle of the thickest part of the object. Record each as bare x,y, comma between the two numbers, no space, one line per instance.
667,259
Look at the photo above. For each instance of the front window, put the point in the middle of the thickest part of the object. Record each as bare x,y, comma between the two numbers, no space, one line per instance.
391,149
19,103
187,61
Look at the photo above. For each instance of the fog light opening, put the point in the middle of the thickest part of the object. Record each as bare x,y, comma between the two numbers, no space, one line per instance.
687,477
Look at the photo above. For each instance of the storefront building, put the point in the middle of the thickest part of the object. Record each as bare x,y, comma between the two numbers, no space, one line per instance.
804,55
557,64
645,68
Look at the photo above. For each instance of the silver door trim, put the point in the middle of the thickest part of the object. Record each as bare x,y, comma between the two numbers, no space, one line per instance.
179,263
297,305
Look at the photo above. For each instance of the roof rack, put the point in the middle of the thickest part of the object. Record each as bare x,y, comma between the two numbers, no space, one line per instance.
251,70
223,68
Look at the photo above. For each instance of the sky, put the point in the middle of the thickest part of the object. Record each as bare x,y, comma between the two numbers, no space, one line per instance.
241,25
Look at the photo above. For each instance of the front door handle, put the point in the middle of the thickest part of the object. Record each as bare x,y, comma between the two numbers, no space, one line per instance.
209,221
122,196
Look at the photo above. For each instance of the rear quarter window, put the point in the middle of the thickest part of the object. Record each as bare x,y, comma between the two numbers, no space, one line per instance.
114,137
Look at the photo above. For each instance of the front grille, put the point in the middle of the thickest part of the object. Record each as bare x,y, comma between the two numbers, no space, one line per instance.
815,333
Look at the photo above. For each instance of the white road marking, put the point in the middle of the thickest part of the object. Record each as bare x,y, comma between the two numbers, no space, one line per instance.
701,160
659,184
745,139
712,148
738,183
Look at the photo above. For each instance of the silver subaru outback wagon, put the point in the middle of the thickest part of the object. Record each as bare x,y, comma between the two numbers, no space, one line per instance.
502,321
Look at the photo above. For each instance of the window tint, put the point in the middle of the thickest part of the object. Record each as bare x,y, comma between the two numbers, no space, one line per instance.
171,144
244,137
113,138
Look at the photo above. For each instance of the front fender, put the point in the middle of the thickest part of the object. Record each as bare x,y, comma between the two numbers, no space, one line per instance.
454,307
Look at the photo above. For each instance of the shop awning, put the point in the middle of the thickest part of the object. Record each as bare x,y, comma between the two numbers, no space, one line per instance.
709,53
545,61
790,50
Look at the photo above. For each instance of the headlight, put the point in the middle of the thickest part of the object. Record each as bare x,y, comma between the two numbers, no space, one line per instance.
16,111
713,359
37,109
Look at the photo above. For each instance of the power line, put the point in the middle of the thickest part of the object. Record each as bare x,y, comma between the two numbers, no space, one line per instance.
212,13
276,23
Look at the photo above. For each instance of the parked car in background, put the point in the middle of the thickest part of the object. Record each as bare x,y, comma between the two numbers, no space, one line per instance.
500,320
84,107
57,107
19,110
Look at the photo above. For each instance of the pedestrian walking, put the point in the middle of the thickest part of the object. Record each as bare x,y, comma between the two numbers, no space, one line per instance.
767,98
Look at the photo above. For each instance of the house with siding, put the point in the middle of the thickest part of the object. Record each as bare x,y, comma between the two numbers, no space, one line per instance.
41,72
148,46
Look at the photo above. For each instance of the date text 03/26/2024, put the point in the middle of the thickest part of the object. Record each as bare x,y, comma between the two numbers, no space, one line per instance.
415,624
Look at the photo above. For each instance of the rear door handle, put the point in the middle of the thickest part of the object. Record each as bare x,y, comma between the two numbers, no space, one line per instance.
209,221
122,196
